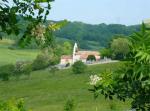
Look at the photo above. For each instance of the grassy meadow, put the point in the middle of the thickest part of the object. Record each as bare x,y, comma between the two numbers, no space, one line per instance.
45,91
8,55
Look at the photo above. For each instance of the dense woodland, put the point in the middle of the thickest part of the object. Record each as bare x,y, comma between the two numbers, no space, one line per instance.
94,36
88,36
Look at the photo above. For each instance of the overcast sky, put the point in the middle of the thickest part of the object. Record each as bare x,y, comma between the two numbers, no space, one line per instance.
128,12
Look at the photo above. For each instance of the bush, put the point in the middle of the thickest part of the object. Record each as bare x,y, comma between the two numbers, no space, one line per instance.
22,68
106,52
27,69
54,60
69,106
6,71
91,58
13,105
41,62
79,67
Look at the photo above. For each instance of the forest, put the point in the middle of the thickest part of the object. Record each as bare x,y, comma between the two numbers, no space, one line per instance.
88,36
94,36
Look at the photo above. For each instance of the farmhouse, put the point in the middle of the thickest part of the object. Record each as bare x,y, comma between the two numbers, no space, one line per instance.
79,55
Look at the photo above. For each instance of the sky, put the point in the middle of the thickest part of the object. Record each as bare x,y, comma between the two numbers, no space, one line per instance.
128,12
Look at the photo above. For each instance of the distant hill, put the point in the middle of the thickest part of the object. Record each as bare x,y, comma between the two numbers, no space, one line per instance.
88,36
94,36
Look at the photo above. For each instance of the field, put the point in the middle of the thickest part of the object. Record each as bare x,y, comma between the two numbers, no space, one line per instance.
45,91
11,56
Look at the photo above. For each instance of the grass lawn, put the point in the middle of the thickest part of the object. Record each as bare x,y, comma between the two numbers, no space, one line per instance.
11,56
47,92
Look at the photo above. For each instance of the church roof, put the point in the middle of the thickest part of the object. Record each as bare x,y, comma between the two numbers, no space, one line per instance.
96,53
85,54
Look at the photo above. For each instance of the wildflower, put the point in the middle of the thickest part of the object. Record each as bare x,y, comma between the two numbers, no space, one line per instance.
94,79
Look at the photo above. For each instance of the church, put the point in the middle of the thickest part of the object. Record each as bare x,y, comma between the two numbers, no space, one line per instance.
78,55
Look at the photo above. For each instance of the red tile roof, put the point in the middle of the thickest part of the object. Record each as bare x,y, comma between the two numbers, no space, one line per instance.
85,54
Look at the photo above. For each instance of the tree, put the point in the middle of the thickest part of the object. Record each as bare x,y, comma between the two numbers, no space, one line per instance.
132,81
120,47
94,36
27,9
34,12
67,48
105,52
79,67
42,61
91,58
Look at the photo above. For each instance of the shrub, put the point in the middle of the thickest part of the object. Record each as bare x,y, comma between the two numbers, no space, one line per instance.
22,68
91,58
79,67
13,105
41,62
53,60
27,69
6,71
106,52
69,106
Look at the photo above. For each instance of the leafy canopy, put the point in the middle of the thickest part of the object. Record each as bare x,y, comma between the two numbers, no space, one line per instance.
132,80
35,13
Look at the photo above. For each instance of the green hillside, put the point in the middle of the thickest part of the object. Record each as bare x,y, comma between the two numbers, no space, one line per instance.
45,91
94,36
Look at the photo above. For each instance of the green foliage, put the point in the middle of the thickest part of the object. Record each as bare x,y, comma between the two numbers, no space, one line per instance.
22,68
69,106
28,9
27,69
93,36
88,36
6,72
13,105
46,58
41,61
120,47
42,34
133,79
106,52
79,67
54,60
112,106
67,48
91,58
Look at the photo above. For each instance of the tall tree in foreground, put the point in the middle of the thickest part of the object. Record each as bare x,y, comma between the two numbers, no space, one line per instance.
35,13
27,9
132,81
